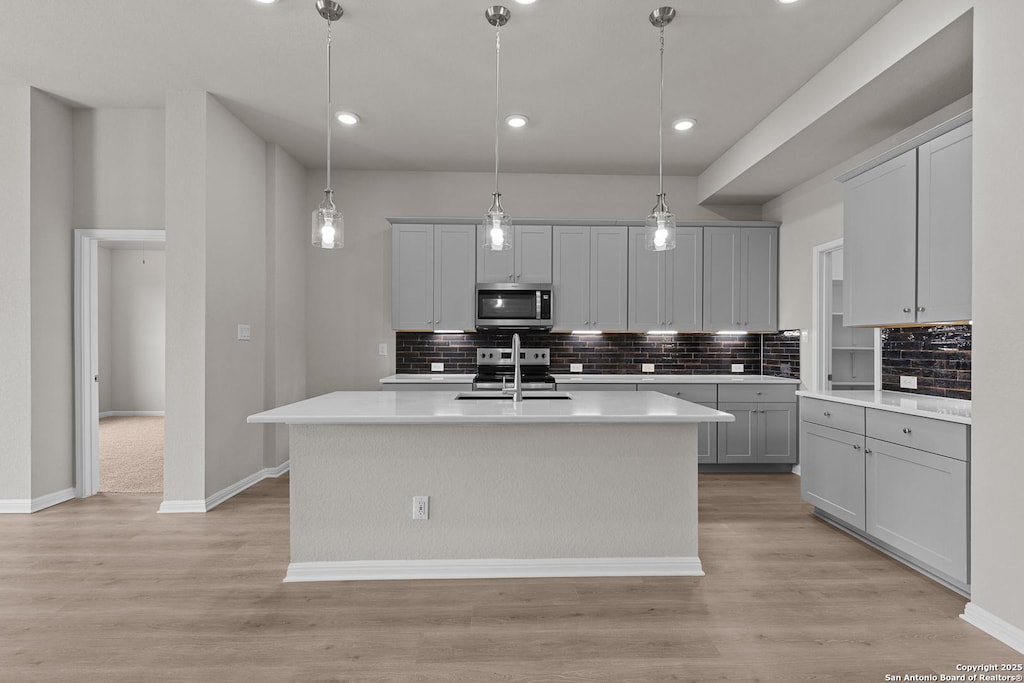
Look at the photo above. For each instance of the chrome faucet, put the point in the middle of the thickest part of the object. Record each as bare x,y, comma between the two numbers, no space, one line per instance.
517,378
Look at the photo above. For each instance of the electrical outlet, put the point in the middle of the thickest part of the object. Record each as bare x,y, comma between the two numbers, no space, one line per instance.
382,349
647,367
908,382
737,367
421,507
244,333
437,367
575,367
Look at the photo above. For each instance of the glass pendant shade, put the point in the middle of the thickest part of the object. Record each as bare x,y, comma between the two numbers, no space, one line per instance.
328,225
497,227
660,228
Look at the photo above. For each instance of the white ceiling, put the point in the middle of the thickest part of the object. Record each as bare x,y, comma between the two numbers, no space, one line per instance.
421,73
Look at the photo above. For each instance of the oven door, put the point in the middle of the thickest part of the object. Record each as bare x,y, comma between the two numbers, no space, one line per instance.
513,306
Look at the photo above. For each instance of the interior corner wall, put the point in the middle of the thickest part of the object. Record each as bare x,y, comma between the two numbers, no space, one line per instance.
287,233
997,468
52,398
103,321
236,265
15,294
135,368
348,296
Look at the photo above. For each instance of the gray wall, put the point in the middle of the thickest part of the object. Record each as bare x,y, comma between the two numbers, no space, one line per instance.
349,290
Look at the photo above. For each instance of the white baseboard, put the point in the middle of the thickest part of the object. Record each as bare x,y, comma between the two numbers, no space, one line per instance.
998,628
382,570
26,505
796,470
131,413
176,506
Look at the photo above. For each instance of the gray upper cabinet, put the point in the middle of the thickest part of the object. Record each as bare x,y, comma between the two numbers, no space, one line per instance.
432,277
944,227
666,288
907,236
589,278
740,279
529,259
880,244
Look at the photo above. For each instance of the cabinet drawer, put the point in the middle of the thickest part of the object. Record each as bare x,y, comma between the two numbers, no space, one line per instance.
831,414
757,393
697,393
935,436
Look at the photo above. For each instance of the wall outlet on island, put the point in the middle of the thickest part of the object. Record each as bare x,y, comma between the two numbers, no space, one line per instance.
575,367
647,367
737,367
437,367
908,382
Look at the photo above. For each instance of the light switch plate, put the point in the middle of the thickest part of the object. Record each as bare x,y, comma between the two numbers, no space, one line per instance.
244,333
647,367
437,367
575,367
382,349
737,367
908,382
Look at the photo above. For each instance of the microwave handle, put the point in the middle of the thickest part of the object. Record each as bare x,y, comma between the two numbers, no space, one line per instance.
538,305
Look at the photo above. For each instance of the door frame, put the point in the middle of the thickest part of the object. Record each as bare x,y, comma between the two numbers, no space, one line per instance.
821,305
86,330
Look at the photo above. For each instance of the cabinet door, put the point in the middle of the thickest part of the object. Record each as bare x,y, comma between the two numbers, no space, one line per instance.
494,266
776,432
944,227
917,503
571,277
412,277
737,441
721,279
454,277
646,284
880,244
684,281
609,259
760,279
707,439
532,247
832,472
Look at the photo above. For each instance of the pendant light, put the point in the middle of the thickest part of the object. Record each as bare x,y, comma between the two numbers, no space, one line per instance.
660,229
328,223
497,224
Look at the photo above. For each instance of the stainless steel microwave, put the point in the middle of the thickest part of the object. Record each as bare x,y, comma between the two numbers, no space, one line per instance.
513,305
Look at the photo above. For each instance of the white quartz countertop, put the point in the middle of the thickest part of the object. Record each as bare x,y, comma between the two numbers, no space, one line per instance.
441,407
603,379
949,409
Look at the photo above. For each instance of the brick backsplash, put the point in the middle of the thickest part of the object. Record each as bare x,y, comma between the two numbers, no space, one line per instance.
940,358
683,354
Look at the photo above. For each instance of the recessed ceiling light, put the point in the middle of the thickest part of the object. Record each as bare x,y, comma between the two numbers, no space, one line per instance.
516,120
786,2
683,124
526,2
347,117
266,2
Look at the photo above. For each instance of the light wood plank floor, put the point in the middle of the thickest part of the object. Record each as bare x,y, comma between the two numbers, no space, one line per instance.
104,589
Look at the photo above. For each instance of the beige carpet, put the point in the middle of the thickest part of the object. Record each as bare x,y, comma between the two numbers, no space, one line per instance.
132,454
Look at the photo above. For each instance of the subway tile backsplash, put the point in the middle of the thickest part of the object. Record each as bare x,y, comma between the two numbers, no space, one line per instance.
939,357
684,354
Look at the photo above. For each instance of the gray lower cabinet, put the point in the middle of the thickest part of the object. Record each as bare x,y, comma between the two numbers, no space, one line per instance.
765,430
433,277
580,386
832,472
741,279
666,287
701,394
589,277
529,259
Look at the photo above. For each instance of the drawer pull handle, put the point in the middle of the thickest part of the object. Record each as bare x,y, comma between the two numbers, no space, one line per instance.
856,447
827,414
906,430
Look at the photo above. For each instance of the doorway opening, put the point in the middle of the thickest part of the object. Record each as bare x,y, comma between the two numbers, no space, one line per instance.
119,361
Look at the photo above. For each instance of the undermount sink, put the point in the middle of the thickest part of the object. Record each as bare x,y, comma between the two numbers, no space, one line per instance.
498,395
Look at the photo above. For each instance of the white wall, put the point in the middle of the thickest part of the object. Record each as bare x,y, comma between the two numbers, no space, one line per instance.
52,313
118,157
997,465
103,323
136,365
349,290
287,230
15,294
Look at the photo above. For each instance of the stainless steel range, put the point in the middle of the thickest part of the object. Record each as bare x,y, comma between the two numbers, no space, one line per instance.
495,369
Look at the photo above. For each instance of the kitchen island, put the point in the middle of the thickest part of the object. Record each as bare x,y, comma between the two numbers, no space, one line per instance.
601,484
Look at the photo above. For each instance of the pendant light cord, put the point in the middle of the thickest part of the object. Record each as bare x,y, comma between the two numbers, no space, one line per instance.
329,104
661,114
497,87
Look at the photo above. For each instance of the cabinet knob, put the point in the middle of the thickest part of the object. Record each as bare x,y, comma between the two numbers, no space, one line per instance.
827,414
920,309
906,430
759,393
436,322
856,447
906,310
867,450
518,275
